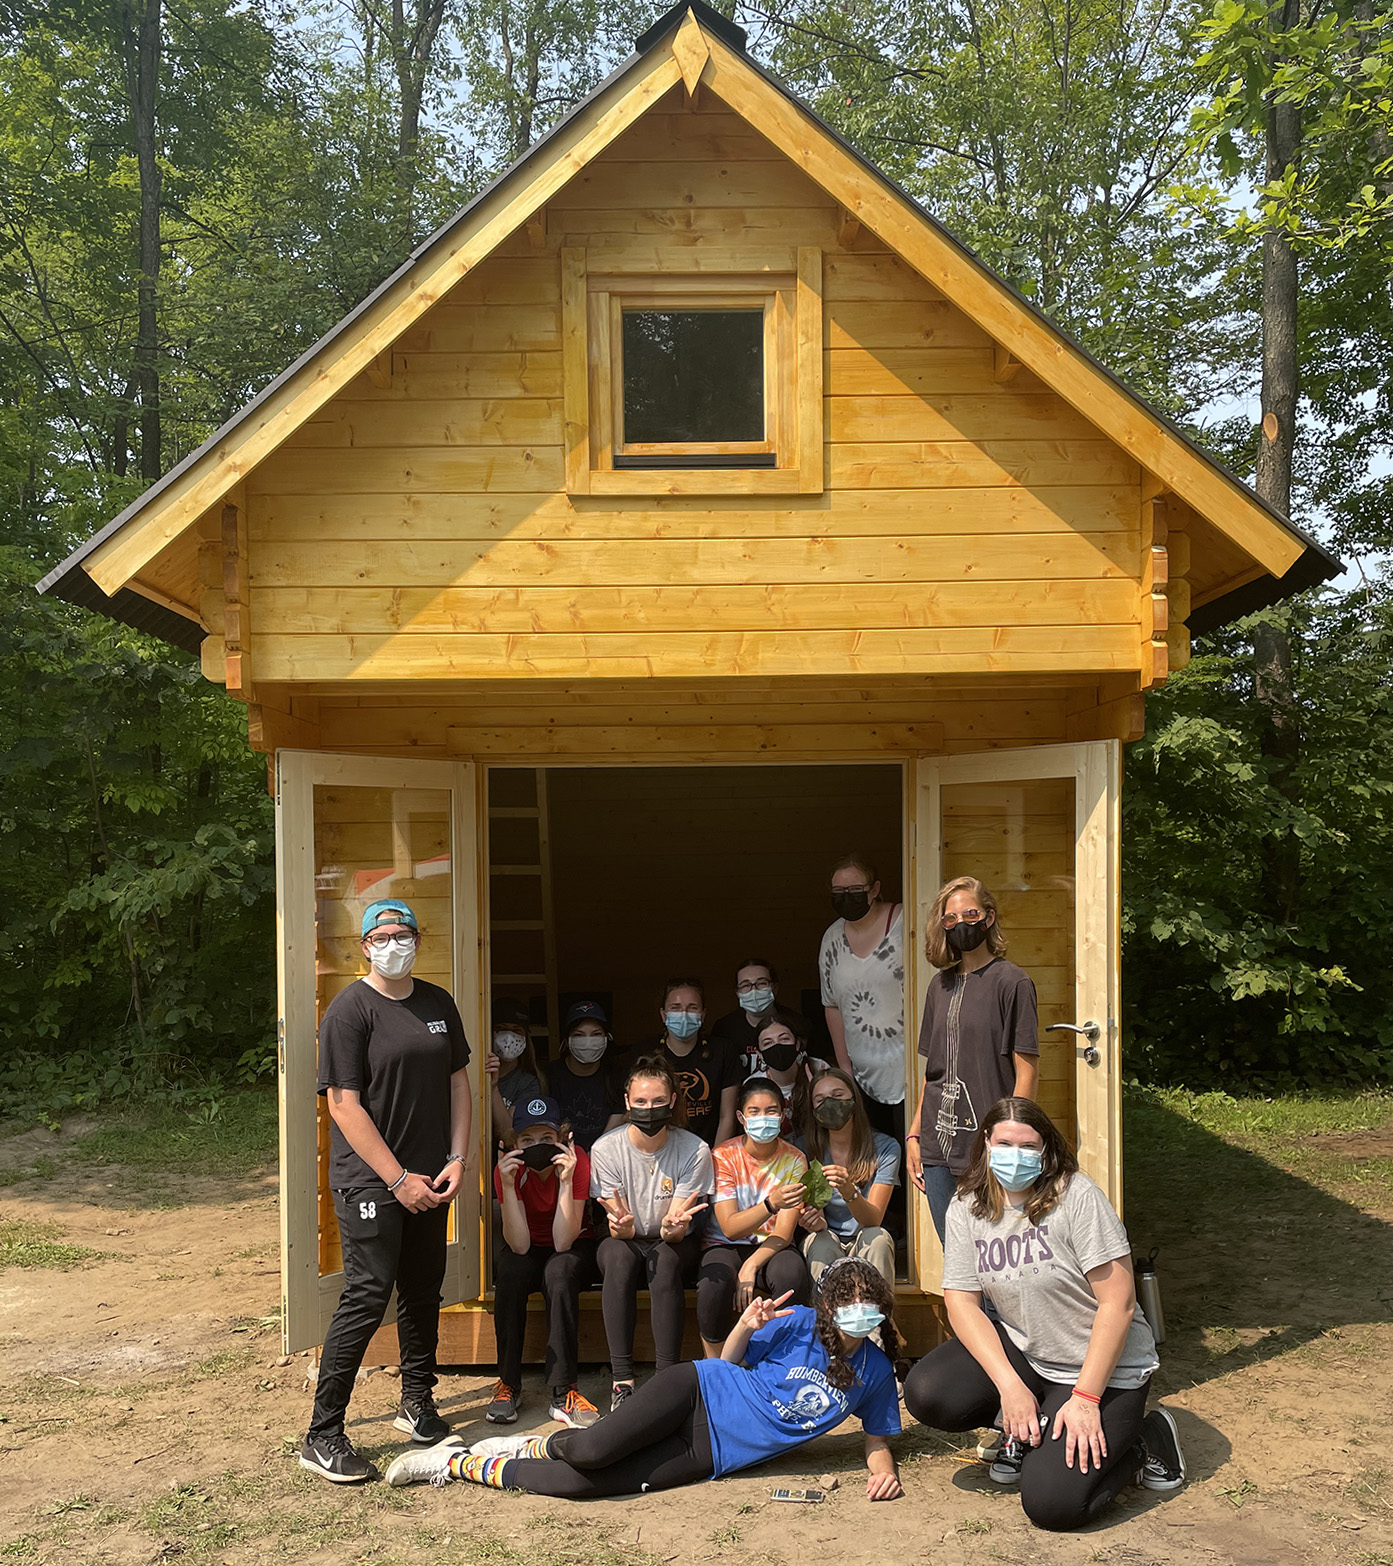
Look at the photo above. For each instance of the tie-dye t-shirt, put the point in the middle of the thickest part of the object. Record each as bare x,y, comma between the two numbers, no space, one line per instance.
748,1181
869,993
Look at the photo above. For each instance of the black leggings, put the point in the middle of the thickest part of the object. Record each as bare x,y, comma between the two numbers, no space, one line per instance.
785,1272
655,1440
663,1269
949,1390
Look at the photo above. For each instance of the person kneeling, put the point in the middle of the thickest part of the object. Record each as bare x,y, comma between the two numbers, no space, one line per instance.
1070,1357
542,1183
785,1376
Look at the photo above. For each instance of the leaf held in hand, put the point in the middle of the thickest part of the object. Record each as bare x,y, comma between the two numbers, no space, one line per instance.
817,1189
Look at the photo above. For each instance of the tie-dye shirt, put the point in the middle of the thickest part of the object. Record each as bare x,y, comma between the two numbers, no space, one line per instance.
748,1181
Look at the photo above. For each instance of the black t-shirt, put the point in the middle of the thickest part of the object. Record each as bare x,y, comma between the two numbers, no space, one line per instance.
973,1024
734,1029
703,1074
587,1102
398,1056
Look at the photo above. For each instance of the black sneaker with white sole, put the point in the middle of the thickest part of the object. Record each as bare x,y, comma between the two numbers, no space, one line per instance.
418,1418
332,1457
1006,1465
1164,1468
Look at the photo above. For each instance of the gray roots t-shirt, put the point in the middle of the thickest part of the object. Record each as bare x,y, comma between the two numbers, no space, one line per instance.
650,1182
1035,1277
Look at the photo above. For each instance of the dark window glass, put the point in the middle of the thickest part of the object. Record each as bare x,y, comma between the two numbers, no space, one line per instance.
693,375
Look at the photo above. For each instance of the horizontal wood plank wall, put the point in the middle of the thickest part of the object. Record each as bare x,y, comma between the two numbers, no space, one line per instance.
416,527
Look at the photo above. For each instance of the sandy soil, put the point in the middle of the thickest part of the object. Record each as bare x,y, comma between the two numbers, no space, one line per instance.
146,1415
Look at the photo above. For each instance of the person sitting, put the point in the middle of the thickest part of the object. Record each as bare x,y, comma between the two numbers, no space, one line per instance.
749,1247
513,1071
653,1179
1070,1357
543,1182
861,1165
707,1073
785,1376
756,994
583,1082
781,1054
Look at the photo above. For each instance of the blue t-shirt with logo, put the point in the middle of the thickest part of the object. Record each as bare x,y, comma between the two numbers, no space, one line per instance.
784,1397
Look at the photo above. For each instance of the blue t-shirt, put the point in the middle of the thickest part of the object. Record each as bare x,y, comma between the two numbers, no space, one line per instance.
887,1172
784,1397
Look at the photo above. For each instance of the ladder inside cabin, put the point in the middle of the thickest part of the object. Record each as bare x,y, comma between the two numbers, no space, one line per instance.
522,931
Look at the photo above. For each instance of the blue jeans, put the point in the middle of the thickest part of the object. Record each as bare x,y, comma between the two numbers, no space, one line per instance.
939,1185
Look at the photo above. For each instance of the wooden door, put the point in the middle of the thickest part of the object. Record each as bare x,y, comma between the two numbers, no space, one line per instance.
351,830
1040,828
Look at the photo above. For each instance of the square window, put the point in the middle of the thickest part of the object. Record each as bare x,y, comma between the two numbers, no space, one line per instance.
693,376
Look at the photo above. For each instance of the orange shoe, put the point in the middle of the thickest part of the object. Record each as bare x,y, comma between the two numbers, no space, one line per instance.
571,1408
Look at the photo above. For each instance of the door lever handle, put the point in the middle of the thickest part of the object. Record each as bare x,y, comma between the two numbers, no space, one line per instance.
1090,1030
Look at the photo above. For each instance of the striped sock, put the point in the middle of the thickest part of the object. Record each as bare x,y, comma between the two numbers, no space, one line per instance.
536,1446
478,1470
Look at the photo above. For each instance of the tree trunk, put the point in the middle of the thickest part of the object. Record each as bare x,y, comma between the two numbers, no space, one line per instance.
142,43
1272,669
412,41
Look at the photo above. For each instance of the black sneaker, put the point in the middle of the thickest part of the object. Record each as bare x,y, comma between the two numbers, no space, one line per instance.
417,1417
1164,1468
332,1457
1006,1465
503,1405
623,1391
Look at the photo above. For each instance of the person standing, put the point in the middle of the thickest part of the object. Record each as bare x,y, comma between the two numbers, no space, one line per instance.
584,1081
756,994
393,1062
707,1073
979,1039
653,1179
862,968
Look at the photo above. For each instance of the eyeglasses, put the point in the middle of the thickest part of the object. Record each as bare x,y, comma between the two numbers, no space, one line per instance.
972,916
749,986
864,887
381,942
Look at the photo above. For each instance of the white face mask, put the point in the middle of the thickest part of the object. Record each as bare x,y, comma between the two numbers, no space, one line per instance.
586,1048
394,960
508,1046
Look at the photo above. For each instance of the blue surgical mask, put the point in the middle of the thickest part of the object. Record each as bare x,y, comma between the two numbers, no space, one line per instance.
763,1128
858,1320
682,1024
1017,1168
755,1001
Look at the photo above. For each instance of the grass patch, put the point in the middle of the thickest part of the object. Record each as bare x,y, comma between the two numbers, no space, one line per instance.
26,1244
238,1139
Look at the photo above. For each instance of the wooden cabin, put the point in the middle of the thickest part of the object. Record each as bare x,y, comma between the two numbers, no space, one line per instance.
690,508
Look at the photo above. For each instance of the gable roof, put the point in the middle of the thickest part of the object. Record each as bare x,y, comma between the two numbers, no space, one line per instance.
690,44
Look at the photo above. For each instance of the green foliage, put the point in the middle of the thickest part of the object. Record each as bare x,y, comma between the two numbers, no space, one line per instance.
207,1132
26,1244
817,1189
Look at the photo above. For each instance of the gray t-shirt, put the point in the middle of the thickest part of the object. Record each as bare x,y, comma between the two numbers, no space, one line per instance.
1035,1277
650,1182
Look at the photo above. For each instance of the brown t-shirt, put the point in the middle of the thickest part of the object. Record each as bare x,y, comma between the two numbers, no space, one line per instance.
973,1024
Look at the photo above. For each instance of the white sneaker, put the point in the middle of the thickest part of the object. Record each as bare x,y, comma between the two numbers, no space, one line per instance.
501,1446
426,1465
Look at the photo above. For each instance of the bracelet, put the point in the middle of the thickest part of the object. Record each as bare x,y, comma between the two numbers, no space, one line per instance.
769,1207
911,1136
395,1183
454,1158
1088,1397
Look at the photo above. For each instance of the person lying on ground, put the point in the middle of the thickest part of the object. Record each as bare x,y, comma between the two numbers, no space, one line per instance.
786,1375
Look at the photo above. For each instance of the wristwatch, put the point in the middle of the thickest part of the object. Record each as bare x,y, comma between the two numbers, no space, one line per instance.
454,1158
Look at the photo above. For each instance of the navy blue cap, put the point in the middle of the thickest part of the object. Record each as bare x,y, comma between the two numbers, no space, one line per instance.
536,1112
586,1011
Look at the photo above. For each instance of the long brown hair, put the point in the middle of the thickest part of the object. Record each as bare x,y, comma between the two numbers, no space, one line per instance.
936,947
817,1136
844,1283
1058,1165
656,1067
511,1014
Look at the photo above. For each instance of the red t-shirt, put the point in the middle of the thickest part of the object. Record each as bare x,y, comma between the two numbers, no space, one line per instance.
537,1193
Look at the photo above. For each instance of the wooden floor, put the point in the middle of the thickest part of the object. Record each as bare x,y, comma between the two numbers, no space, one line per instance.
466,1332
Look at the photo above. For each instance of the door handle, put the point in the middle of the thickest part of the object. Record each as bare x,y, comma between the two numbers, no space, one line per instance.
1090,1030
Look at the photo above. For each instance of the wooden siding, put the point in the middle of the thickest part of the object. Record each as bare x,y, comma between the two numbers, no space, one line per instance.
417,527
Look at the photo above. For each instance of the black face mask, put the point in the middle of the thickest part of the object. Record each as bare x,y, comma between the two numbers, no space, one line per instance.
833,1112
967,937
779,1057
538,1155
851,905
652,1119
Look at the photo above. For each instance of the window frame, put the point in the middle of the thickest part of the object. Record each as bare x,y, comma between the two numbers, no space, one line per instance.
592,309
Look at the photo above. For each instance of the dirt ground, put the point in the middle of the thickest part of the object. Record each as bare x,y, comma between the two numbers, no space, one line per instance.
145,1415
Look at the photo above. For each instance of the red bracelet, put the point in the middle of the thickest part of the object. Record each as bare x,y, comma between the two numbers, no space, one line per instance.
1088,1397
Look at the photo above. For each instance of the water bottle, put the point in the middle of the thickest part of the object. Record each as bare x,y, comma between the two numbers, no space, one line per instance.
1149,1294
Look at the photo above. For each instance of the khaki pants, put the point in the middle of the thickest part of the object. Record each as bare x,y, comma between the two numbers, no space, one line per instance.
876,1246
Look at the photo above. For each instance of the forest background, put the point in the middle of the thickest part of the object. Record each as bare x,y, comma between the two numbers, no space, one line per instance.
192,191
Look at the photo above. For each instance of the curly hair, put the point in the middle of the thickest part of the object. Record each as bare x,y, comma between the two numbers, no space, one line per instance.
845,1283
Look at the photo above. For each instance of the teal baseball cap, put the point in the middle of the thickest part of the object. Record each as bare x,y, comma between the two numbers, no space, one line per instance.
388,911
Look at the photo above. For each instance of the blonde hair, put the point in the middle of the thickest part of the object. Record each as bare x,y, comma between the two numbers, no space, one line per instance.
936,947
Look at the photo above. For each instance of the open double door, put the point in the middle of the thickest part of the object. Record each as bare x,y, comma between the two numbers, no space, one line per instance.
1038,825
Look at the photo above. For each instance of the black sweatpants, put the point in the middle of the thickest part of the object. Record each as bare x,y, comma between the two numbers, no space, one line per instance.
560,1275
655,1440
784,1272
949,1390
384,1247
664,1270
